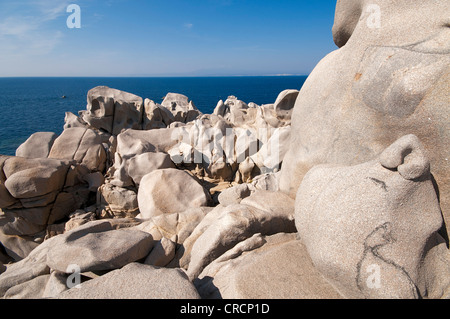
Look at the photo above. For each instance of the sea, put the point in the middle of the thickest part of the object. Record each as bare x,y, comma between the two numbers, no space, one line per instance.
30,105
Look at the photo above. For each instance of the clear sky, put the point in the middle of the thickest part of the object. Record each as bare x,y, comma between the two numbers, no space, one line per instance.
164,37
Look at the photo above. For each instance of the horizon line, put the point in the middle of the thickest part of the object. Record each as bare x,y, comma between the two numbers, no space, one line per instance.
154,76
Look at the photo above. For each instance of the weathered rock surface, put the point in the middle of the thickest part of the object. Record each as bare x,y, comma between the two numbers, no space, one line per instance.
359,219
114,201
169,191
383,83
144,164
368,222
176,227
181,108
284,104
234,195
29,189
274,267
38,145
162,253
136,281
113,110
31,289
225,227
104,249
82,145
28,178
156,116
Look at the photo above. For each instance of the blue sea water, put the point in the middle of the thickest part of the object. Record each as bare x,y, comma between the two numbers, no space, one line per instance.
29,105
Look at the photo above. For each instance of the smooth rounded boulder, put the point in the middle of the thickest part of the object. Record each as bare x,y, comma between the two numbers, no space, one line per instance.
97,246
113,110
136,281
168,191
38,145
383,82
368,227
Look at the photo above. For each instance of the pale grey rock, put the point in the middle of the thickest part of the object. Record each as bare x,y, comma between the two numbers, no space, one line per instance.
162,253
246,144
112,110
114,201
143,164
78,218
119,172
94,180
30,267
56,284
6,200
168,191
82,145
355,220
24,221
156,116
35,263
220,109
32,289
237,112
410,166
17,247
100,250
227,226
182,109
284,104
270,156
30,187
136,281
65,204
176,227
267,182
38,145
72,120
435,270
383,83
133,142
273,267
27,178
234,195
246,170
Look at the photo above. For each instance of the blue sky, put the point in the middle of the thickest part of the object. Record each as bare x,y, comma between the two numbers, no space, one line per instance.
165,38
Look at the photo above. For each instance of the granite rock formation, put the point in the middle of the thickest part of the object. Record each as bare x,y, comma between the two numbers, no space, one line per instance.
339,190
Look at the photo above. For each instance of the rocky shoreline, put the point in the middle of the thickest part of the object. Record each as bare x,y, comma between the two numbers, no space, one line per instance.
340,190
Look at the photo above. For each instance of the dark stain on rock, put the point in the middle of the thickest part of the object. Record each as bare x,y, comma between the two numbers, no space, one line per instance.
379,183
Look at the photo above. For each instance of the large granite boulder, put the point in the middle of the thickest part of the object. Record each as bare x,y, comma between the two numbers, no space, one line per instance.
385,81
285,103
368,227
82,145
263,212
112,110
136,281
38,145
270,267
156,116
97,246
29,188
181,108
168,191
